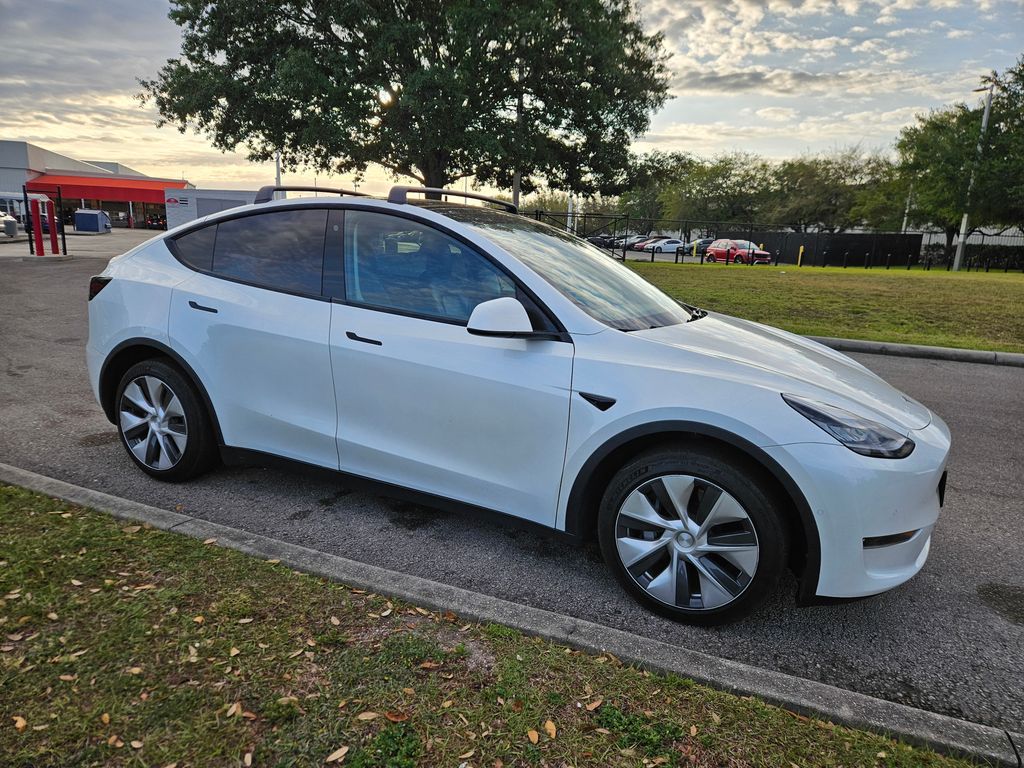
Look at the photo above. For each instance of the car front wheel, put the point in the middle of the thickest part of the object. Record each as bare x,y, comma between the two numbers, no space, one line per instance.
162,422
693,534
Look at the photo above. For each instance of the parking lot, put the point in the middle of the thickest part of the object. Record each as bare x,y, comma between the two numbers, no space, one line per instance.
952,640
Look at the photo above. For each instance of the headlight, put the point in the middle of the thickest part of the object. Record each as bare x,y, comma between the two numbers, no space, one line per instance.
863,436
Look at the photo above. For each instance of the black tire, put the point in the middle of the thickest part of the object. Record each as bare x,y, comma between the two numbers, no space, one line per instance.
740,478
200,453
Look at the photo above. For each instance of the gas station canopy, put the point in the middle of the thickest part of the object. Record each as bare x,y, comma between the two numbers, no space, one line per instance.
123,189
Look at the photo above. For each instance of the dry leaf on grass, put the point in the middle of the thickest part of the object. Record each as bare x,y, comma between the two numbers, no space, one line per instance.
136,744
594,704
549,729
132,528
76,583
396,717
105,718
234,651
367,716
467,755
245,621
533,736
337,755
19,723
693,730
210,541
716,718
335,621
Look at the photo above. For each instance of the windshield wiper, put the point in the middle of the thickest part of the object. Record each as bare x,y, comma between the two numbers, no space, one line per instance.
696,313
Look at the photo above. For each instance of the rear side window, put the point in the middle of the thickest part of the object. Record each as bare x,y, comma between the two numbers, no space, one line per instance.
196,247
282,250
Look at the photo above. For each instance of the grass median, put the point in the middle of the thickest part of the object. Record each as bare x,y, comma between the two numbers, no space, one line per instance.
969,310
124,645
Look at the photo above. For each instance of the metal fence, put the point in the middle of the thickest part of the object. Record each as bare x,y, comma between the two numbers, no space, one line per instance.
985,250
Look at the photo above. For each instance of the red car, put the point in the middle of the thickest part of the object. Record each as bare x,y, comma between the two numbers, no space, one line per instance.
737,252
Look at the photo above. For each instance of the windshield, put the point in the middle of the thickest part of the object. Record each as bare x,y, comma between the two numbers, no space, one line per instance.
594,281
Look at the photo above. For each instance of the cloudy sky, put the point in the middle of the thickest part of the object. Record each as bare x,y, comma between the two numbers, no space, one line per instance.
780,78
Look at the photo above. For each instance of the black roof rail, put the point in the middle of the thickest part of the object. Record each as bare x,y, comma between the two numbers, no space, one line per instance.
398,195
266,194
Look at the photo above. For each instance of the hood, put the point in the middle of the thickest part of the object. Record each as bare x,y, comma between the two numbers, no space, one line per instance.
775,358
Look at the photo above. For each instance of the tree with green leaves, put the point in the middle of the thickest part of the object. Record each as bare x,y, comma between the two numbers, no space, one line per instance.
728,188
940,152
936,155
436,91
647,177
1002,158
820,192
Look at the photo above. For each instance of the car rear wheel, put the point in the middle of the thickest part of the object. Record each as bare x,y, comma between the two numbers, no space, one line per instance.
693,534
162,422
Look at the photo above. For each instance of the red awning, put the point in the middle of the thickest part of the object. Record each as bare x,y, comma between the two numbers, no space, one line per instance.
113,188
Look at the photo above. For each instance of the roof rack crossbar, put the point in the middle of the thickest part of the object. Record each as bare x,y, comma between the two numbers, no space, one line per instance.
398,195
266,194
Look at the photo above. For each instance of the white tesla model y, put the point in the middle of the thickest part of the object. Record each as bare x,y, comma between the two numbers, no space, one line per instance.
468,356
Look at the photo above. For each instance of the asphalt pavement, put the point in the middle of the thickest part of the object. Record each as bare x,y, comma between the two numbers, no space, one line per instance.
950,641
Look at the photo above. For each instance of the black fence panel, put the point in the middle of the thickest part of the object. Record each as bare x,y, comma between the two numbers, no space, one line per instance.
827,249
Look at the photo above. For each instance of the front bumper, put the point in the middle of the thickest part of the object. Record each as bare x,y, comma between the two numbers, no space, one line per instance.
875,517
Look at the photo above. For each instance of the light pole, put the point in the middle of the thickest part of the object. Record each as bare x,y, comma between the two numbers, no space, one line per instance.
958,259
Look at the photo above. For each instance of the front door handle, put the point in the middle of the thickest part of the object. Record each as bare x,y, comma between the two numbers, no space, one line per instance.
357,337
201,308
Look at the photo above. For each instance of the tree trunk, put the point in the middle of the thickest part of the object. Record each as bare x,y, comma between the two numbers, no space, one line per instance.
947,253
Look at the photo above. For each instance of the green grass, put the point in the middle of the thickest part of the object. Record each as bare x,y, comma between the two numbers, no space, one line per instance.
974,310
123,646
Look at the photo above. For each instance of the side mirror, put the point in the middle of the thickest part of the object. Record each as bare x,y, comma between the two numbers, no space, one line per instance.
505,318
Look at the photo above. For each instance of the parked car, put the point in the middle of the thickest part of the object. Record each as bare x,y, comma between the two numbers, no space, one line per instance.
702,247
481,360
642,244
668,245
156,221
601,241
737,252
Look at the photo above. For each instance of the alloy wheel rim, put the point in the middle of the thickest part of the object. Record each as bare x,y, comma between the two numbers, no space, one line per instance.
153,423
687,542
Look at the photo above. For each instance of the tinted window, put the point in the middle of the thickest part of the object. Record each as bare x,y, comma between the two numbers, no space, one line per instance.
196,248
592,279
399,264
278,249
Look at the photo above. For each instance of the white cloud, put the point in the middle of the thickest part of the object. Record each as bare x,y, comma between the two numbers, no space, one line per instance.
777,114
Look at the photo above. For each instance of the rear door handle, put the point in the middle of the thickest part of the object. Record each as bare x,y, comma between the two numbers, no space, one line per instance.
357,337
200,307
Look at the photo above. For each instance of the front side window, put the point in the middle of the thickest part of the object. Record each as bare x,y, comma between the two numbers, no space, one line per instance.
594,281
397,264
281,250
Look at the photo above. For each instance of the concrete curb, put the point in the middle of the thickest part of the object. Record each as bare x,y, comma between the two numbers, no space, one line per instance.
914,726
1014,359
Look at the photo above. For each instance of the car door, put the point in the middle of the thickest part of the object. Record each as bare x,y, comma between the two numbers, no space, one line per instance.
424,404
253,323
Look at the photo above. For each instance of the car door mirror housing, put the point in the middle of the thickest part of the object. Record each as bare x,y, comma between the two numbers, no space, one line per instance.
505,317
